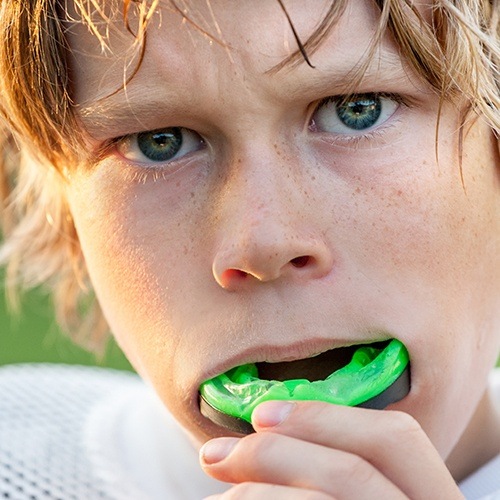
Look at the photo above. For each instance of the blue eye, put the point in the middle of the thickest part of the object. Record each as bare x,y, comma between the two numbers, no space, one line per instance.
361,113
160,145
349,115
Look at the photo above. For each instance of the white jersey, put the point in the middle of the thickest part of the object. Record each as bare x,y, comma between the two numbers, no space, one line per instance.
484,484
82,433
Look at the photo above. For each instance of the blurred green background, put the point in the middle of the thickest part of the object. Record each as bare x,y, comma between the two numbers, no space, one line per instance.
33,336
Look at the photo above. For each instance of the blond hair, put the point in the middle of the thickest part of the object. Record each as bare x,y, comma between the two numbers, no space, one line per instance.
457,53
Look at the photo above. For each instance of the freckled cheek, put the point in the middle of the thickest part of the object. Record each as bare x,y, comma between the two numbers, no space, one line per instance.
406,212
139,245
382,209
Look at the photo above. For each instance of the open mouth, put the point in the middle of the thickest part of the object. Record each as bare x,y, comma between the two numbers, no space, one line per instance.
369,375
315,368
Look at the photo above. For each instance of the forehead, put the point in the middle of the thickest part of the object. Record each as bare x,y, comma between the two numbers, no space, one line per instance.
217,48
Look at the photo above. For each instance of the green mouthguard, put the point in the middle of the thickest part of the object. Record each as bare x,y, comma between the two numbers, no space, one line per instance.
371,371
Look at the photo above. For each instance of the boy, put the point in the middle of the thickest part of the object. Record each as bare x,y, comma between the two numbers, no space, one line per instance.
233,200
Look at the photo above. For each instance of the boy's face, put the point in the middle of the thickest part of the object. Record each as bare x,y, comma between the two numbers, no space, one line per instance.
285,226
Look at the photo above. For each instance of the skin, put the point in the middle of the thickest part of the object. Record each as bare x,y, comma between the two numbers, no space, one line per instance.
195,263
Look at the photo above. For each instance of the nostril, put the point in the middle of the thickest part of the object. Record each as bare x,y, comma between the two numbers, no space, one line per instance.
233,274
301,261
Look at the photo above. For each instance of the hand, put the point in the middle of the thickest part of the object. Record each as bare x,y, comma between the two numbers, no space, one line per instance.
313,450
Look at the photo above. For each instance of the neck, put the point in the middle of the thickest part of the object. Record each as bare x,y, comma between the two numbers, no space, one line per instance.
480,442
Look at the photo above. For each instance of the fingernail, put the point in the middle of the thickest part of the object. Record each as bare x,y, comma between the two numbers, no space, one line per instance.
271,413
217,449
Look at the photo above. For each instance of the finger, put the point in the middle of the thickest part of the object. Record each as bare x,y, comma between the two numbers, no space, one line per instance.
251,491
278,459
392,441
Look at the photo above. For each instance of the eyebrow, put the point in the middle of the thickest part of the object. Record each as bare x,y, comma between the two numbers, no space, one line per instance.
387,69
126,108
127,105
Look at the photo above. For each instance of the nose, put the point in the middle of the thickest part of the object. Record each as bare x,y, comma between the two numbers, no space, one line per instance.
269,230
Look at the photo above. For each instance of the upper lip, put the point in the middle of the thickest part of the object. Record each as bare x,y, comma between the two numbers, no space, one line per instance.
273,353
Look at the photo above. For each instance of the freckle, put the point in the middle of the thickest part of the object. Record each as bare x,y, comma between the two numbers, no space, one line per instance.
313,178
192,194
178,183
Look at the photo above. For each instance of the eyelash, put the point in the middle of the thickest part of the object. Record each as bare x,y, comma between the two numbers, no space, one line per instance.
381,95
144,175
